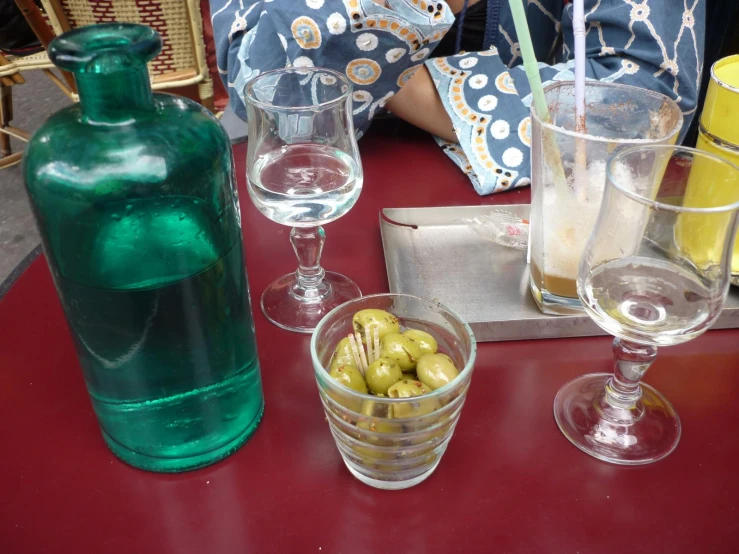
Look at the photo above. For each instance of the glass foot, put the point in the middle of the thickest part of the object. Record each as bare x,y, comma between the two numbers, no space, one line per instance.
285,304
647,432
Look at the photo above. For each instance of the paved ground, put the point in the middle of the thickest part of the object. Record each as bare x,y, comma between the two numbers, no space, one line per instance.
33,102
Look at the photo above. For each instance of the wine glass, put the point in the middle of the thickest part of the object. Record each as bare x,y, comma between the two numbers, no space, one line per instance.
655,273
303,171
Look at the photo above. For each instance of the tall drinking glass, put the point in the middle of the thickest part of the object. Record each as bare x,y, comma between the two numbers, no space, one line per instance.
641,280
564,205
303,171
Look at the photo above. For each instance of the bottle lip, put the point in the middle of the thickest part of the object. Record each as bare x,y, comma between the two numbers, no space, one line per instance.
105,48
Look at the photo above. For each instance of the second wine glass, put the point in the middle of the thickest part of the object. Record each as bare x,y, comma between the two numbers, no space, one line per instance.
303,171
655,273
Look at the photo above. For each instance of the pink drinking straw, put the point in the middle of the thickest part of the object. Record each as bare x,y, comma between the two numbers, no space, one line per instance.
578,28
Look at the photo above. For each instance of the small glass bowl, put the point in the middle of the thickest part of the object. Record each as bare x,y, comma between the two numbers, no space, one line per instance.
380,450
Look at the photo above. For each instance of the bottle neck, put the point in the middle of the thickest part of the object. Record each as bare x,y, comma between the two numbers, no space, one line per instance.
114,97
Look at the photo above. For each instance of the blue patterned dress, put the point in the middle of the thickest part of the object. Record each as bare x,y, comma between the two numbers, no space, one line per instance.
654,44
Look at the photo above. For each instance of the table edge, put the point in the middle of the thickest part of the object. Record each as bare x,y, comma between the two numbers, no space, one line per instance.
14,275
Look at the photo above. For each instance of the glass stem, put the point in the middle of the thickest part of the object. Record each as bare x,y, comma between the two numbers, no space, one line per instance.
308,245
631,362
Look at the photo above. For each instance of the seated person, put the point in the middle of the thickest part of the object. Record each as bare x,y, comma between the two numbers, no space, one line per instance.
476,81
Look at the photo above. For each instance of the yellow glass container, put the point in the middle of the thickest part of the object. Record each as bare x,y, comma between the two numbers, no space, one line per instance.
718,134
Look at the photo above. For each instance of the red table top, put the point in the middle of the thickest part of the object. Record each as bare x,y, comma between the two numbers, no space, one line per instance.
509,482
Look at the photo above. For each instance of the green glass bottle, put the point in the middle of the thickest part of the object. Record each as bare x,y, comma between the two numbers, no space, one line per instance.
135,198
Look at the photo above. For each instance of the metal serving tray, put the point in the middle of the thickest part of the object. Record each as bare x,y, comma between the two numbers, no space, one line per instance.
431,254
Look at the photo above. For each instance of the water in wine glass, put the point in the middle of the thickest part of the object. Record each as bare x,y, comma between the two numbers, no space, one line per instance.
650,301
304,185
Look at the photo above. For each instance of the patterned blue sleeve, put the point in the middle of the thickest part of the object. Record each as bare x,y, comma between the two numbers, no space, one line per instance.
653,44
377,47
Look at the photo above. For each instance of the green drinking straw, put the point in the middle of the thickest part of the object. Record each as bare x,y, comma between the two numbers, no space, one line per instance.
531,68
529,59
537,90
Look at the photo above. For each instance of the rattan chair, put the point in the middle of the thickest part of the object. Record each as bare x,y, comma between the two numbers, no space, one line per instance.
181,63
9,77
179,22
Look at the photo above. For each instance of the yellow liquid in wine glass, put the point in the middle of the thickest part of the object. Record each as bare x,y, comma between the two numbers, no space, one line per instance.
701,237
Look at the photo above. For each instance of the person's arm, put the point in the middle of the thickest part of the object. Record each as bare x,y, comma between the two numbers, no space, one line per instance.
660,50
419,104
378,44
234,28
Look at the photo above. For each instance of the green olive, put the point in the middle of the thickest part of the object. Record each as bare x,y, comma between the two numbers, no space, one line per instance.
373,408
378,431
382,374
383,321
342,398
436,370
370,454
406,388
381,414
425,342
402,350
380,426
350,377
342,354
411,389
